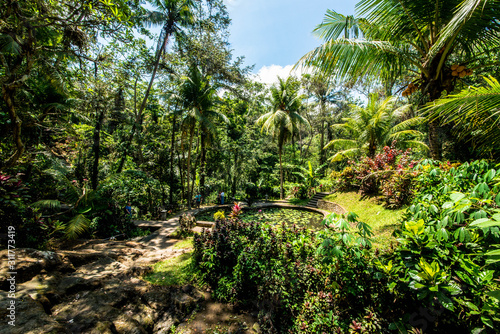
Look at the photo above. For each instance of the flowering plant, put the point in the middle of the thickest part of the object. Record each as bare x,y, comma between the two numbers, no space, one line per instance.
235,211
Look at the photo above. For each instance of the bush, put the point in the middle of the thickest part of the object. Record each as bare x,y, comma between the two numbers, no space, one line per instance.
388,174
186,223
439,279
219,215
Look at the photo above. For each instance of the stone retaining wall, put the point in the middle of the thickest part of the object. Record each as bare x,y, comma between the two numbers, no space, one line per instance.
330,206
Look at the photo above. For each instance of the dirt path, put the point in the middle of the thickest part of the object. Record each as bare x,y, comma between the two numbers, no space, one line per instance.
95,286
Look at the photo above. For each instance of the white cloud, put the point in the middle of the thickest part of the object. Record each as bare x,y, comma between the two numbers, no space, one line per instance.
269,74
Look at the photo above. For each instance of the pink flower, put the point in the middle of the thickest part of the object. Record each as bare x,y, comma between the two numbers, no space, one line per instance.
85,180
74,181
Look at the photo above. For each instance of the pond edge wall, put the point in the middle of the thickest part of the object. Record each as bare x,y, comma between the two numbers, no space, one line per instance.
331,206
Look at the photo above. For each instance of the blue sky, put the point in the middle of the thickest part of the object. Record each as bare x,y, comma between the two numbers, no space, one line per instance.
274,34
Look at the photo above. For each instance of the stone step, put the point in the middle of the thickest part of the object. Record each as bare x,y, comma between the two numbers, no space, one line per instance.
205,224
313,202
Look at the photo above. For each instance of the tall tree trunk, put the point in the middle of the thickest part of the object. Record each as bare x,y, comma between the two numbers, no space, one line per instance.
236,173
181,172
172,150
155,68
96,146
322,156
188,176
281,175
203,162
434,144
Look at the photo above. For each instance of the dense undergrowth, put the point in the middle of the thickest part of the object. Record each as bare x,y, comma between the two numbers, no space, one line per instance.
442,276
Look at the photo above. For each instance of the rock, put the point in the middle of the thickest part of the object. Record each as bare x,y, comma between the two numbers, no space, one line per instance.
163,325
30,317
184,303
103,327
126,324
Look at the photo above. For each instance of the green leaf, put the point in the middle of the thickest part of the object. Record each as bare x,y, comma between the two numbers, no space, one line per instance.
446,302
76,226
487,321
479,221
455,197
494,294
489,175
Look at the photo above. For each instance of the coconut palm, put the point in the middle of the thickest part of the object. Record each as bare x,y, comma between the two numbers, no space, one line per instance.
198,98
375,126
424,37
172,15
283,119
474,113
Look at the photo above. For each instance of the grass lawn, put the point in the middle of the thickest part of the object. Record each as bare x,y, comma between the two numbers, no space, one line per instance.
383,221
174,271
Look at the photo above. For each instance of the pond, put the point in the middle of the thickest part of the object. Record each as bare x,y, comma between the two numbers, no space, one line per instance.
273,216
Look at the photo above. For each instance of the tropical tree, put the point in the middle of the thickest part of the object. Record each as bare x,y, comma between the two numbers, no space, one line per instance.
172,15
283,119
198,97
474,114
37,41
429,38
322,89
374,126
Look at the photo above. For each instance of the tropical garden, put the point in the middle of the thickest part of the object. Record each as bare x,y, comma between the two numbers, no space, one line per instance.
396,115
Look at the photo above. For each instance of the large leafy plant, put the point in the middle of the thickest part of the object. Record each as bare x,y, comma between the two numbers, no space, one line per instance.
448,245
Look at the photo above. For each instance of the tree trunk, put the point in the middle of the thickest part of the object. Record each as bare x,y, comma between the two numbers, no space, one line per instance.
281,175
155,68
181,172
188,176
235,176
434,144
96,146
172,150
322,156
203,162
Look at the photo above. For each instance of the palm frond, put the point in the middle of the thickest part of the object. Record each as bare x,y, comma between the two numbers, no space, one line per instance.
406,133
346,154
407,124
342,143
473,112
48,204
353,59
77,226
416,144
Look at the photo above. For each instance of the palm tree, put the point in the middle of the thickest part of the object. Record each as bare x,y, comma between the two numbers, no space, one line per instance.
198,97
373,127
424,37
172,15
475,115
282,121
